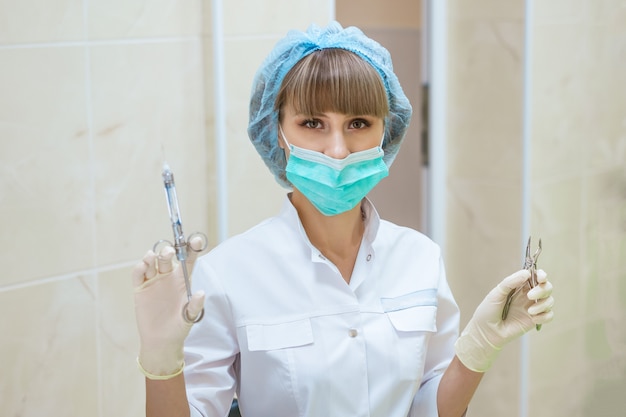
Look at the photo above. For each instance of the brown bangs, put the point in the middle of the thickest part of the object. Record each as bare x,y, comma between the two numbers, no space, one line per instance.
334,80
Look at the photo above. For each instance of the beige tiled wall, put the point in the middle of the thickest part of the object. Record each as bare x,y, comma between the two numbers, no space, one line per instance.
577,364
578,367
483,221
93,96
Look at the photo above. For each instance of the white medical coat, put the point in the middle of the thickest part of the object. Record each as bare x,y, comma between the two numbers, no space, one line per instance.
285,332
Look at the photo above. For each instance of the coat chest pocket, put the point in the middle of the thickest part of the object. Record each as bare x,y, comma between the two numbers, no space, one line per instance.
273,360
413,319
416,311
263,337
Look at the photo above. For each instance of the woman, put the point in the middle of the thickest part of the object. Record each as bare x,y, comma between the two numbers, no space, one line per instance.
325,309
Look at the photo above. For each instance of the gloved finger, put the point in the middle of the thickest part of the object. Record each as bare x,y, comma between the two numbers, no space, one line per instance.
513,281
138,273
164,260
196,244
541,307
195,304
150,260
541,276
543,318
144,270
543,290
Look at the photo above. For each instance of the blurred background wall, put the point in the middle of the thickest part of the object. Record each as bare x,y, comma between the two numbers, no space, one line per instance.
483,176
578,204
95,94
536,145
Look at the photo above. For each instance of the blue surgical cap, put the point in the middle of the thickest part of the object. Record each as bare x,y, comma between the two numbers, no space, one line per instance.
263,123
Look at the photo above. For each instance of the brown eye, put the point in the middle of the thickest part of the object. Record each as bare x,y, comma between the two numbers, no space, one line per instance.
311,123
359,124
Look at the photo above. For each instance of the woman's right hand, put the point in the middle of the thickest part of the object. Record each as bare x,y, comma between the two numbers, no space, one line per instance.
160,296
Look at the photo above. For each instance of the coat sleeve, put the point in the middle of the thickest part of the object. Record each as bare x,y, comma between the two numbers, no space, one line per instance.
440,350
211,350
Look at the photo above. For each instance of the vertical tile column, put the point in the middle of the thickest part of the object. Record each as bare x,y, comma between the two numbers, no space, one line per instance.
146,81
93,96
48,311
578,366
484,170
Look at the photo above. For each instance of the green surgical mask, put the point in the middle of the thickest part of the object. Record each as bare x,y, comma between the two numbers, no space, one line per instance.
332,185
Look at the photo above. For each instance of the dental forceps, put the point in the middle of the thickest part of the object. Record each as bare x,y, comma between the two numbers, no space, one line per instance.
181,245
530,264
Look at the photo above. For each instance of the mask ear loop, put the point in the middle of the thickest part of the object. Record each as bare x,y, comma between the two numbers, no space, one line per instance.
282,134
382,140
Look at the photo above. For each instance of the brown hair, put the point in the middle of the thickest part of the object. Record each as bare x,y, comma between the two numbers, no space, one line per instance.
333,80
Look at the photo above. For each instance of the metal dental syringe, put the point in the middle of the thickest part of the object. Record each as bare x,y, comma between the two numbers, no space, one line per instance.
181,245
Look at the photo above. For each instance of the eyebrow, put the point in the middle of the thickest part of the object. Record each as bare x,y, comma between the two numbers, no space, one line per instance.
324,114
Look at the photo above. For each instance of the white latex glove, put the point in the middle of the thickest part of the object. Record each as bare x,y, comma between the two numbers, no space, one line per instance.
486,333
160,295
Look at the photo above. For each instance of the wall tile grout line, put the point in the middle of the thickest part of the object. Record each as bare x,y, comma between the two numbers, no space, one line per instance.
104,42
253,37
72,275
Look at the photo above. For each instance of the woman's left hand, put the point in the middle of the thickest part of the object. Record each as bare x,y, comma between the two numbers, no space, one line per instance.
486,333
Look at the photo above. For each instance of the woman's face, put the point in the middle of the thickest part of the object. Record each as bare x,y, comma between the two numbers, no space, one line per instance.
334,134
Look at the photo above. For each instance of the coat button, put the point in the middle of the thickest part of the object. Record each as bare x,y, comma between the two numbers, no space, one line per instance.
353,333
